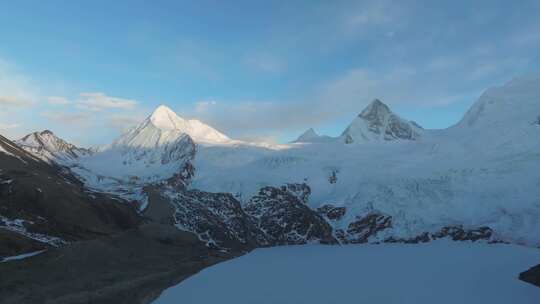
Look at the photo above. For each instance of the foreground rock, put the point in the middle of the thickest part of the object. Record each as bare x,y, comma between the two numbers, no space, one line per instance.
531,276
132,267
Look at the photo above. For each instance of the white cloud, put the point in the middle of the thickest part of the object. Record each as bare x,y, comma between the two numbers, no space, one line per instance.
97,101
4,127
57,100
68,118
369,15
202,106
265,62
13,101
16,90
122,122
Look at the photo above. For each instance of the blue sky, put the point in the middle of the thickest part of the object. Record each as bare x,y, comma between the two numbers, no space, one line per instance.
253,69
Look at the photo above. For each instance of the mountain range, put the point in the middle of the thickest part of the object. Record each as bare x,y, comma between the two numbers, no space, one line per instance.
384,179
424,180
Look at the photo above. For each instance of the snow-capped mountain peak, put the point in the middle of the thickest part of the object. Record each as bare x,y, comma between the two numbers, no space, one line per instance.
163,126
50,148
307,136
376,111
164,118
378,122
310,136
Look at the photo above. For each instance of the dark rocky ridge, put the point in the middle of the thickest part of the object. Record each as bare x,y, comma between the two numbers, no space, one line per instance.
275,216
285,218
531,276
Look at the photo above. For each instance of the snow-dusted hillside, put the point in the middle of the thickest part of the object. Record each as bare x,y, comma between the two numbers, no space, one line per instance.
51,148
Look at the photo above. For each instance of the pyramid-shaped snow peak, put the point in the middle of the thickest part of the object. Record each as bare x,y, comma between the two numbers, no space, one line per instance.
164,118
307,136
377,122
163,126
310,136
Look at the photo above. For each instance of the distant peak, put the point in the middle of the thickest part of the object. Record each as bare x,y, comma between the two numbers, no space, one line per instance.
46,132
308,135
374,109
311,132
162,110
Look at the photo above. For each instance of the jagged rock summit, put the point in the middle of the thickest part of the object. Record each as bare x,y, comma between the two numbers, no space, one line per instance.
50,148
378,122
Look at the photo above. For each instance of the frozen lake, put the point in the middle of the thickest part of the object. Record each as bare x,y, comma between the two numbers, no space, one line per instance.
437,272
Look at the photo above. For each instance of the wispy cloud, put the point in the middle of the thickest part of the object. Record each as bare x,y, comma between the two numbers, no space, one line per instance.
14,101
4,127
204,105
75,119
98,101
16,89
266,62
58,100
122,122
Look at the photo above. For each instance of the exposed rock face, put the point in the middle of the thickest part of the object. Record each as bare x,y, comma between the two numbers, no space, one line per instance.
285,219
181,179
456,233
46,203
364,227
301,191
217,218
331,212
275,216
50,148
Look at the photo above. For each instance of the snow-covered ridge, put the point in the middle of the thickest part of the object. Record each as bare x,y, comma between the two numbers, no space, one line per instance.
51,148
482,172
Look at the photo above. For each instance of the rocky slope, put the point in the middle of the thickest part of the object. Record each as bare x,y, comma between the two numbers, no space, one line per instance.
48,205
131,267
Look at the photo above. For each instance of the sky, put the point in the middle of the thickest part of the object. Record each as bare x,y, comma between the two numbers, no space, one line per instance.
255,70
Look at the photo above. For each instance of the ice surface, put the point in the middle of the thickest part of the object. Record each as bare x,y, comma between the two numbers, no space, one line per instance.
439,272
